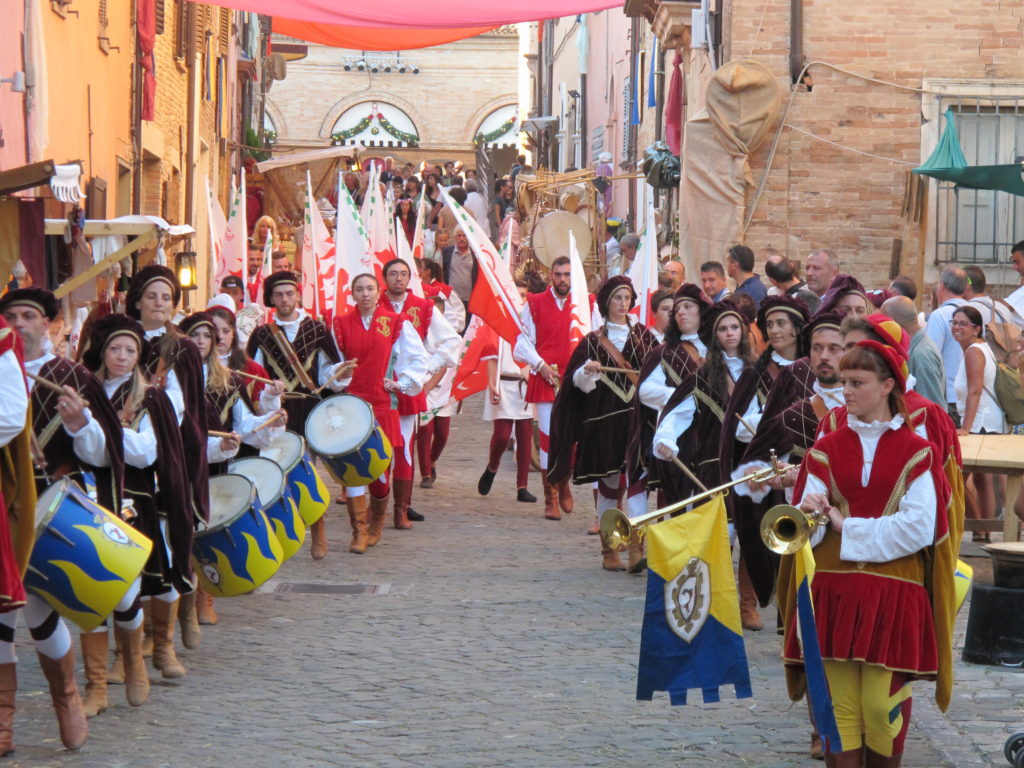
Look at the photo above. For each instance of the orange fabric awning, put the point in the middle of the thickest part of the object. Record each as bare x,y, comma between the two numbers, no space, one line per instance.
371,38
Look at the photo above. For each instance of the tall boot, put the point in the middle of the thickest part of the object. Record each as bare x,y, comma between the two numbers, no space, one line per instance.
551,511
359,516
191,634
565,496
318,549
402,492
136,678
610,559
637,561
147,628
205,612
749,616
115,675
378,512
8,687
164,657
60,675
95,650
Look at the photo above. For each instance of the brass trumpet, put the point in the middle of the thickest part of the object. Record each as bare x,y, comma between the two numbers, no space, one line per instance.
617,528
785,529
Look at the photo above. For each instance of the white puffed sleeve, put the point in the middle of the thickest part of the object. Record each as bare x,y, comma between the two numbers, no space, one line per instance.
675,423
14,396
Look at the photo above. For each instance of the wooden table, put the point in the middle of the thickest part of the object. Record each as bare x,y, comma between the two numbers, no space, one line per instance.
998,455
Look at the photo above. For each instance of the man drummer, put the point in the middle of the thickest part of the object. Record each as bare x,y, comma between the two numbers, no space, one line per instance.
545,346
72,437
299,351
442,344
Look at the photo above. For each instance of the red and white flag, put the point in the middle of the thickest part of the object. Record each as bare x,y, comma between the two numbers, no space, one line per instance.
218,226
643,272
471,375
233,246
578,295
351,249
377,227
317,260
421,222
495,297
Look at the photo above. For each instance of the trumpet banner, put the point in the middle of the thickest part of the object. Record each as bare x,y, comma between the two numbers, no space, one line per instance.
692,636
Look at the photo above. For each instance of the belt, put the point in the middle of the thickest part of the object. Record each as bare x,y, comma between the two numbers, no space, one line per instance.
510,377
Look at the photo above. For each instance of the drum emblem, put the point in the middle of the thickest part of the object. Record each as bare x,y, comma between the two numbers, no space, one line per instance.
688,599
115,534
212,574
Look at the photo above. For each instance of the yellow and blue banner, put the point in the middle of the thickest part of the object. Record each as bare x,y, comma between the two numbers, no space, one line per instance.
817,685
692,636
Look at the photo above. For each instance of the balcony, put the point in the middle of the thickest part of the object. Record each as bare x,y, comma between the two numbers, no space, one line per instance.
668,18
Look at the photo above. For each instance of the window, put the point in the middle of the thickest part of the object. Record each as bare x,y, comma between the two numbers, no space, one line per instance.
977,226
159,12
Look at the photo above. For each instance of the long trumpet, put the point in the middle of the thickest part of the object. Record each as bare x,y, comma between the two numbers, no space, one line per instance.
617,528
785,529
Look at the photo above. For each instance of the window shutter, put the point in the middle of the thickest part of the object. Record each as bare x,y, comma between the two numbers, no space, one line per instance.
103,13
225,29
159,17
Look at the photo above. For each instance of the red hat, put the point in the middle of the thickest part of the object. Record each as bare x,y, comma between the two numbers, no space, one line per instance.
897,362
891,333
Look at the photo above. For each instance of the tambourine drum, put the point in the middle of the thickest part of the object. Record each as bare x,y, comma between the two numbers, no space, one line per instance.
343,431
238,550
276,499
551,236
571,198
288,450
85,558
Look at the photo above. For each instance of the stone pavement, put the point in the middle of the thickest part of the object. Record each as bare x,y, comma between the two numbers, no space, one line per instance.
494,639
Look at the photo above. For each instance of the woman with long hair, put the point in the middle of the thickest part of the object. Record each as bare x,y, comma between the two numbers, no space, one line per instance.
883,589
264,229
432,189
975,386
232,355
405,218
156,482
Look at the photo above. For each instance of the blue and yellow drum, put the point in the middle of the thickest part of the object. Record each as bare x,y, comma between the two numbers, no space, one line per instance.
85,558
277,501
344,433
237,551
288,450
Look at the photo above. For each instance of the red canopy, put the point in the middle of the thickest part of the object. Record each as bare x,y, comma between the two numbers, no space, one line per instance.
370,38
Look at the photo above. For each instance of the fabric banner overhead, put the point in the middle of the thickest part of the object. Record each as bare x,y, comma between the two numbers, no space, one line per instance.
407,14
370,39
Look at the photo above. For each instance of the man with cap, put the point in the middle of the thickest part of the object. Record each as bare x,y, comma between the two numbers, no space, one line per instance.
299,351
442,344
73,438
596,404
546,345
233,286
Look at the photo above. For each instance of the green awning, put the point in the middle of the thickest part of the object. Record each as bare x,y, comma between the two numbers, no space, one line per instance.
948,163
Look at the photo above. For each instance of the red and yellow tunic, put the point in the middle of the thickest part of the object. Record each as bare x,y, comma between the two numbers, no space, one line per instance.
419,312
553,343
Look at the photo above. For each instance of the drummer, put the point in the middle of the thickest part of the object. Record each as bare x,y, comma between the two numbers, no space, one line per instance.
296,349
156,483
442,344
229,347
73,438
373,335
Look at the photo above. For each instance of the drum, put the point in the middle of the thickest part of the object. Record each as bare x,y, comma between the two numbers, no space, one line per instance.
237,551
551,236
276,499
343,431
85,558
288,450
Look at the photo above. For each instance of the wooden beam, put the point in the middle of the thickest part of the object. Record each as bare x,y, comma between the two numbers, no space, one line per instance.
96,269
94,227
26,176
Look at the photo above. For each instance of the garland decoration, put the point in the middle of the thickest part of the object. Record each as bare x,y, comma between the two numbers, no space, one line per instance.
340,136
409,138
501,130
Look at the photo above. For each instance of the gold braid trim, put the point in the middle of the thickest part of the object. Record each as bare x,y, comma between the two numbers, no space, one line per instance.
899,490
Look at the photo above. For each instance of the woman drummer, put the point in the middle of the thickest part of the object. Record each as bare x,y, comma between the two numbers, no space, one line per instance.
155,481
232,355
883,563
391,359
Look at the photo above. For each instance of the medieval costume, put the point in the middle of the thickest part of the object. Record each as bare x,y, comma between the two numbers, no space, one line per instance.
844,294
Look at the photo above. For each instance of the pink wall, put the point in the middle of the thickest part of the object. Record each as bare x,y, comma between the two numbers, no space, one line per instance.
12,115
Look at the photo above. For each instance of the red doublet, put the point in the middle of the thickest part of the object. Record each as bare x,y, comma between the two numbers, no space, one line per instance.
419,312
553,342
877,613
372,347
12,591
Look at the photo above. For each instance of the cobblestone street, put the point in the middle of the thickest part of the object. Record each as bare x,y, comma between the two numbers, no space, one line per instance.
488,637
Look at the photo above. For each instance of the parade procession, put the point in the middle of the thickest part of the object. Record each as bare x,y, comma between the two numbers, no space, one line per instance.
562,384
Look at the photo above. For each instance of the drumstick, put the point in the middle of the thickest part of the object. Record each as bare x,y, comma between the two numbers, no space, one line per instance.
334,376
276,417
743,421
608,369
686,471
260,379
55,387
213,433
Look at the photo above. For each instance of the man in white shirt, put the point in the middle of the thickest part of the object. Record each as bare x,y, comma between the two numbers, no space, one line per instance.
949,294
822,268
1016,299
475,203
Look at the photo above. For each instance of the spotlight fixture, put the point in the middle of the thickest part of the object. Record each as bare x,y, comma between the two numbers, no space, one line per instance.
373,68
401,68
415,70
348,66
387,67
361,65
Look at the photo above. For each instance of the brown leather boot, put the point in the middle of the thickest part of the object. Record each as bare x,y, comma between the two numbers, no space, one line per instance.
191,634
147,628
205,612
749,616
8,688
60,675
115,675
551,511
318,547
565,496
610,559
378,513
95,650
359,516
136,678
637,561
164,657
402,492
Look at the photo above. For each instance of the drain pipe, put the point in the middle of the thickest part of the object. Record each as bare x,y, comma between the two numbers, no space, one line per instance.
796,39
